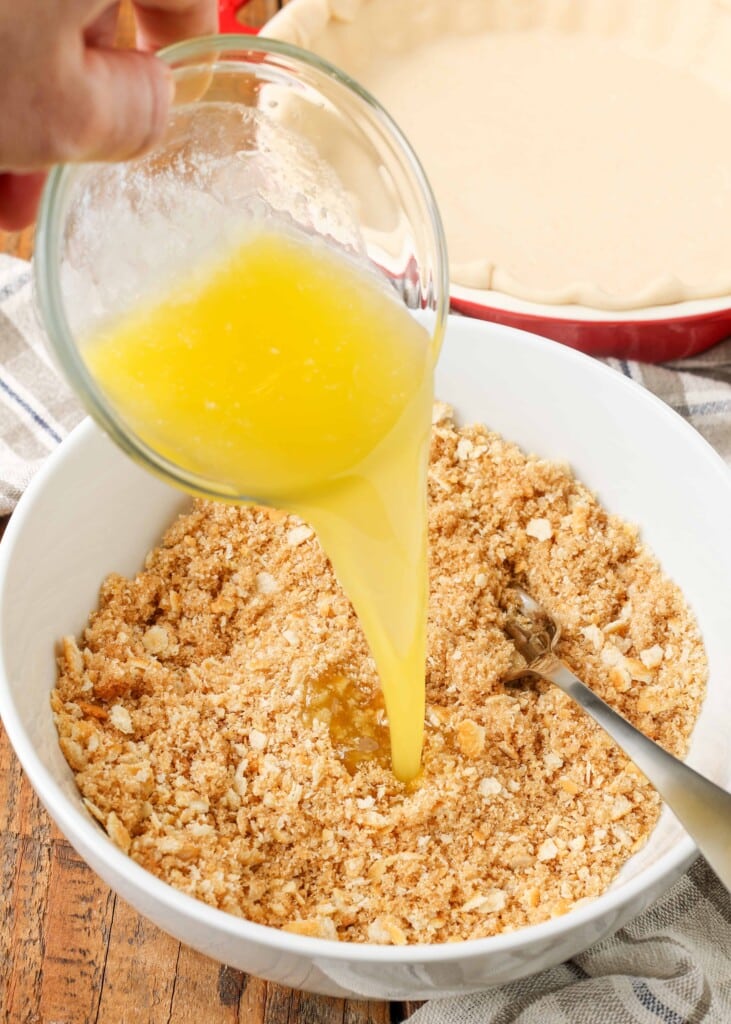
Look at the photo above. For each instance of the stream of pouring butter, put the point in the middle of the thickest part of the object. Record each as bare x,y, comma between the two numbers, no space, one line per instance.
292,375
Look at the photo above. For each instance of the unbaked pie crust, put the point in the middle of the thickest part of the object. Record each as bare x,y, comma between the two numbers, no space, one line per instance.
580,150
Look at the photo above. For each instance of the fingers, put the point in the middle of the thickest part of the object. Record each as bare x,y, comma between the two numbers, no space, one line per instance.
124,106
103,30
19,198
98,104
162,22
130,92
67,95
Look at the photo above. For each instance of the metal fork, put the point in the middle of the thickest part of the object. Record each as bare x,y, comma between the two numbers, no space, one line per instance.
702,807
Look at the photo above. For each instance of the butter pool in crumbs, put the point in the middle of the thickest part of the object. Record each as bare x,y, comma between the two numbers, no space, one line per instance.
187,712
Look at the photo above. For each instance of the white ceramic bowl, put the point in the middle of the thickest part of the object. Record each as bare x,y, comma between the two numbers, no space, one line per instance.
91,511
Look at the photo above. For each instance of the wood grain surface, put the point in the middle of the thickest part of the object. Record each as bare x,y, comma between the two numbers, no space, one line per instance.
71,952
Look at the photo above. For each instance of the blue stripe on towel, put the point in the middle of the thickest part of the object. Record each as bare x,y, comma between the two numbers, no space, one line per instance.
651,1003
709,408
14,286
29,410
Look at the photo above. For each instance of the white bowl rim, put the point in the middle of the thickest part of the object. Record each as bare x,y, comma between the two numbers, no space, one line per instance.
71,822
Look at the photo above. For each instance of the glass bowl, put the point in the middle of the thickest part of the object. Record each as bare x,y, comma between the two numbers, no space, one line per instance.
260,131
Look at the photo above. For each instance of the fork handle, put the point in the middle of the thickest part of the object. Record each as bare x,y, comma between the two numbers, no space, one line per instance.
702,807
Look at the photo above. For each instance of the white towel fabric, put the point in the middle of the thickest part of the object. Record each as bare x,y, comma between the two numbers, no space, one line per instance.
672,964
37,408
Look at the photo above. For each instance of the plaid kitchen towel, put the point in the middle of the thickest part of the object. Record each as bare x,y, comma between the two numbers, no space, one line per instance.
672,964
37,409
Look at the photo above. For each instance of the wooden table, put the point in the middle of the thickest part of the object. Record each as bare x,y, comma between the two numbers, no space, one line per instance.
71,952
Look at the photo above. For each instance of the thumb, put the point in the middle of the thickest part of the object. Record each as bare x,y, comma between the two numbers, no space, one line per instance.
127,97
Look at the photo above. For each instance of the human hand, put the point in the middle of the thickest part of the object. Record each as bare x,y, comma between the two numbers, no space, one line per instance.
67,95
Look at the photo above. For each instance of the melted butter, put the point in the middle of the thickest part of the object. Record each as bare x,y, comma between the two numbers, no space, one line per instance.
355,721
290,375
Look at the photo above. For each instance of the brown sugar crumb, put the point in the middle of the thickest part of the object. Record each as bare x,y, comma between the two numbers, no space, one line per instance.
224,721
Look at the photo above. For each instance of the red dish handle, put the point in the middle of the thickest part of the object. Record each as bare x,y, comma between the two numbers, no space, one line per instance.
227,20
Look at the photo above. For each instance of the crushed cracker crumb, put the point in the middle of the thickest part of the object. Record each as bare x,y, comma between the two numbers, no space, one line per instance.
223,717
